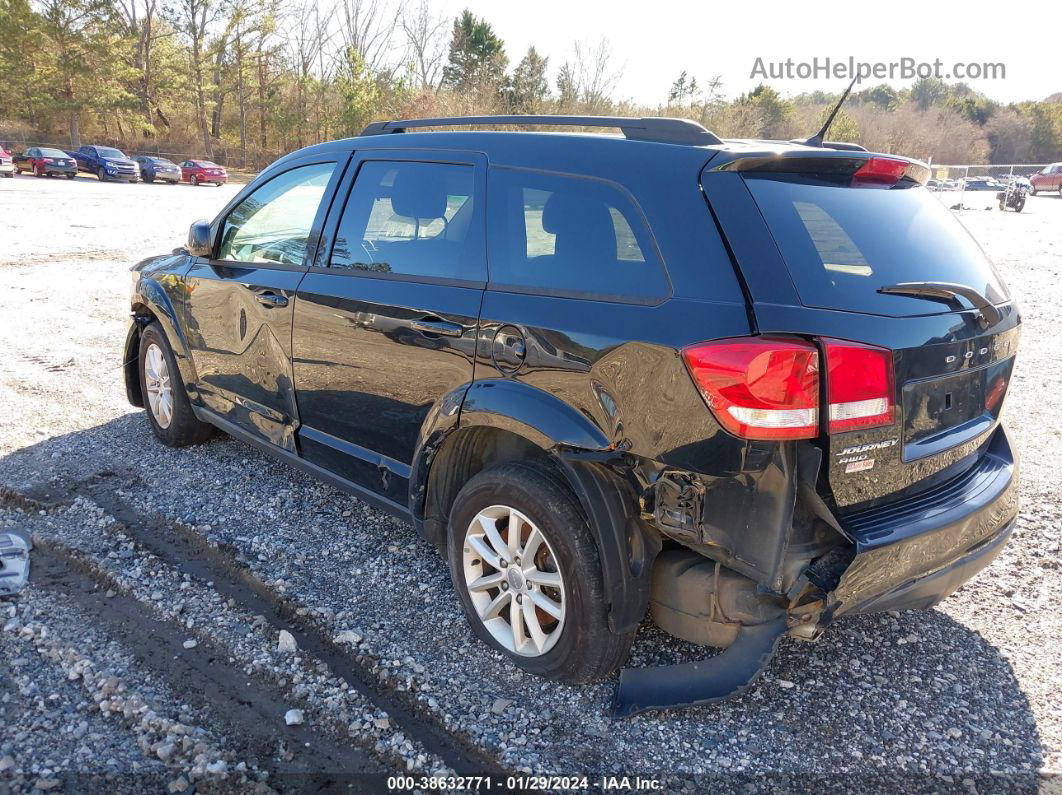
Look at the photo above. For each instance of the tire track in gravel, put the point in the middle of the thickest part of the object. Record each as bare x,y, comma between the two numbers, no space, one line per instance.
189,553
245,706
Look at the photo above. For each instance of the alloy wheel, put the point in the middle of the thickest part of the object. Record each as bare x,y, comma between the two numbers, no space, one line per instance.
514,580
157,383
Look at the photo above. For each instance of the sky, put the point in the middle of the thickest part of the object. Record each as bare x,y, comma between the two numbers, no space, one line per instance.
654,41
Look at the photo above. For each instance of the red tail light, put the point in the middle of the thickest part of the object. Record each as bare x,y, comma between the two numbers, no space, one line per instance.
768,388
860,386
880,171
759,387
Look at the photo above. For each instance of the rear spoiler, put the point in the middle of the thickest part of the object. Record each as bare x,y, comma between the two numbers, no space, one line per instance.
838,162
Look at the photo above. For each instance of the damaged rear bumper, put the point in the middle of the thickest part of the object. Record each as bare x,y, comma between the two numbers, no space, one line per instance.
905,556
913,555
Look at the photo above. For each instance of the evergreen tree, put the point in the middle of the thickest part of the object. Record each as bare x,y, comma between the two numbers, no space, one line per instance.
477,56
528,87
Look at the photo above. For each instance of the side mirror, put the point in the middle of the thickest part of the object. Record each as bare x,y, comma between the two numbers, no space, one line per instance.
199,239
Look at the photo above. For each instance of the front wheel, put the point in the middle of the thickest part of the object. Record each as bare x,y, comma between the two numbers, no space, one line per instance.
101,175
194,180
166,402
1032,191
528,574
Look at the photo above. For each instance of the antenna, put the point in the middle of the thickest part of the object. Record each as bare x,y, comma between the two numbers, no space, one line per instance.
817,138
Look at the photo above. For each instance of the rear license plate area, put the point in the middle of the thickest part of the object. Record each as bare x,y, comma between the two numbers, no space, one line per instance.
940,413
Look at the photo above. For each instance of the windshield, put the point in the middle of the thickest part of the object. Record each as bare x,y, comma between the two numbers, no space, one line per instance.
107,152
53,153
842,243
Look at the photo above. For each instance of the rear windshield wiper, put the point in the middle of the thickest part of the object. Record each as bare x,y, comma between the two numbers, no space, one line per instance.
950,294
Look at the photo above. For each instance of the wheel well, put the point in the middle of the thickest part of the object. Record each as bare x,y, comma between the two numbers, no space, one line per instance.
142,315
466,453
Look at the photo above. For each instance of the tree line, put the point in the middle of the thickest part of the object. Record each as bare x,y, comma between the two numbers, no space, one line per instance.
242,81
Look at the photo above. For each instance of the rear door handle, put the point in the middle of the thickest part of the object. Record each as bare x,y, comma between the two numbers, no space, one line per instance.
443,327
271,300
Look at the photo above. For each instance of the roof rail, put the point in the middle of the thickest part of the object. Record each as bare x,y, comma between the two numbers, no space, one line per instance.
656,128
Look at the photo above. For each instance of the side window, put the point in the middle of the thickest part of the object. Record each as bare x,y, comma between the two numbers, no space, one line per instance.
569,235
273,224
410,218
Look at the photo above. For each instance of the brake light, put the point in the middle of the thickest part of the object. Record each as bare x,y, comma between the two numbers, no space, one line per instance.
759,387
860,386
48,160
880,171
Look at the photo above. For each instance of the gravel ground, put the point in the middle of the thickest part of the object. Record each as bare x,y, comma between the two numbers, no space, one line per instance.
964,697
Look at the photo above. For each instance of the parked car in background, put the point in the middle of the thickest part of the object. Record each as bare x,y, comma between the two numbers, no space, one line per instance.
746,386
1048,179
7,165
158,169
106,163
981,183
42,161
199,171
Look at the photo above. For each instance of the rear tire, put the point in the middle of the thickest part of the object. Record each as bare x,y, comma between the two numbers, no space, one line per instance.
71,176
537,500
166,403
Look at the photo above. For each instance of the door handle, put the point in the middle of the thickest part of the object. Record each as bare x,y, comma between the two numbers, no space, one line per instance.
271,300
443,327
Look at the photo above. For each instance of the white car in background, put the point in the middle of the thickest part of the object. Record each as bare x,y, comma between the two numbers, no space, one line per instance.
7,166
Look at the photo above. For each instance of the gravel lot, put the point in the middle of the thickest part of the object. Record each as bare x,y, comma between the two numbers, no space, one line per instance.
144,550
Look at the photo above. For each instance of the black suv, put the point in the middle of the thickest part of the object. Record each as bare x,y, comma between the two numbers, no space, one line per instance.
748,386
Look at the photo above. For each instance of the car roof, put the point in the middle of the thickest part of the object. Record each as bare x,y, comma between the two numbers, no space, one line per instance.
571,151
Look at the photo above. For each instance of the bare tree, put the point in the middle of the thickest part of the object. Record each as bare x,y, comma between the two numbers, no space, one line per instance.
310,38
140,19
368,28
427,43
595,74
194,18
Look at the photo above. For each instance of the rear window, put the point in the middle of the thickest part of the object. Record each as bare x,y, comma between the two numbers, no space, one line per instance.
841,244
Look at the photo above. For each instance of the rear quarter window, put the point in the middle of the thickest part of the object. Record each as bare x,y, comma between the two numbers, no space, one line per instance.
571,237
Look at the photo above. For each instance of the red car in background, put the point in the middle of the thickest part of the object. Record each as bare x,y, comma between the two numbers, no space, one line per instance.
42,161
1048,179
200,171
